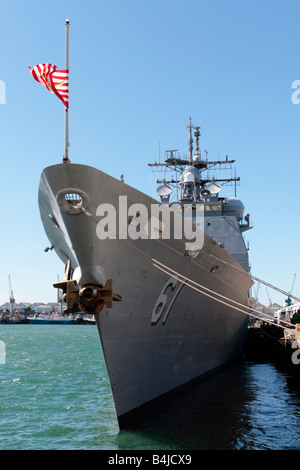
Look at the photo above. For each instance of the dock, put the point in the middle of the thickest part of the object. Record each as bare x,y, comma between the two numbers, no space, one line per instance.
267,341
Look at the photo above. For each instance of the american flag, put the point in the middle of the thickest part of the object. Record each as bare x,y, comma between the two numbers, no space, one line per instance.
56,81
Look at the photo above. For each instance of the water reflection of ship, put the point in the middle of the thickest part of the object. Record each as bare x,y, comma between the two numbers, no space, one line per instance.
215,414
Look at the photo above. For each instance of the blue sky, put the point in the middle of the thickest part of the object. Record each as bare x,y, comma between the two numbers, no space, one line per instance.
138,70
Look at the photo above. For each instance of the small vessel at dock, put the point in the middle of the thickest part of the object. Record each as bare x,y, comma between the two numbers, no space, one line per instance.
276,339
13,318
46,319
289,314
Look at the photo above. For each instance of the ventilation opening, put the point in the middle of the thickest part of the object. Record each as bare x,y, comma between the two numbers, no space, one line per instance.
53,219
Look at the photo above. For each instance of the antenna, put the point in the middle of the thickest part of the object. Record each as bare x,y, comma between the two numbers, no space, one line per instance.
190,141
11,295
197,135
234,179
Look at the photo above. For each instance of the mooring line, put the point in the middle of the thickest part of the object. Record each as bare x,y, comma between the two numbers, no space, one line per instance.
209,293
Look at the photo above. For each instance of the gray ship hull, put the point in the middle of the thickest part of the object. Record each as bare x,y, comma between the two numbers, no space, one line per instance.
163,335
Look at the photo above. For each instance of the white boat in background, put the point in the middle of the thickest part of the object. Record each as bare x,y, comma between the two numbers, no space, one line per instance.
48,319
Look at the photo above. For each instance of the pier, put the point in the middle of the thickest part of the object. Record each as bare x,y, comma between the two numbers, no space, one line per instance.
267,341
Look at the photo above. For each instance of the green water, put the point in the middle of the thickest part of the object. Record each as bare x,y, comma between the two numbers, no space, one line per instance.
55,395
54,389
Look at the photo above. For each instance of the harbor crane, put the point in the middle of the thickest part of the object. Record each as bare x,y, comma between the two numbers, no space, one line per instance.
11,296
59,297
289,300
270,301
256,293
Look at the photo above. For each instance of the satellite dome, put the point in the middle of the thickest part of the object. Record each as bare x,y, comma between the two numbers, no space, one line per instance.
190,175
197,158
234,206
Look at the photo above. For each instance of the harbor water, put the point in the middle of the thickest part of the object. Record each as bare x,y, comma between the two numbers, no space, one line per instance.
55,395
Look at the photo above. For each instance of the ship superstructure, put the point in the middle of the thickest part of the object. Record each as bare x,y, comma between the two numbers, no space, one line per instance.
191,186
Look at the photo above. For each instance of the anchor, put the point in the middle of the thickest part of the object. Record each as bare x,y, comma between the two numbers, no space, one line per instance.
89,298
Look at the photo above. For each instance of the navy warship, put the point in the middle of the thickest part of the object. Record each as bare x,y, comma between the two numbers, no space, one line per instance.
167,279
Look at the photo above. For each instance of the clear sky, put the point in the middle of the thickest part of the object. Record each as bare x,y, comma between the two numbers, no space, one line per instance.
138,70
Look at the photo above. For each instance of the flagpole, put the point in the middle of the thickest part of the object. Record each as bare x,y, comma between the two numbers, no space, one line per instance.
66,156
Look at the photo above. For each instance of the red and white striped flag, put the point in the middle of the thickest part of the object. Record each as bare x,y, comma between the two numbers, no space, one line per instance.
56,81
